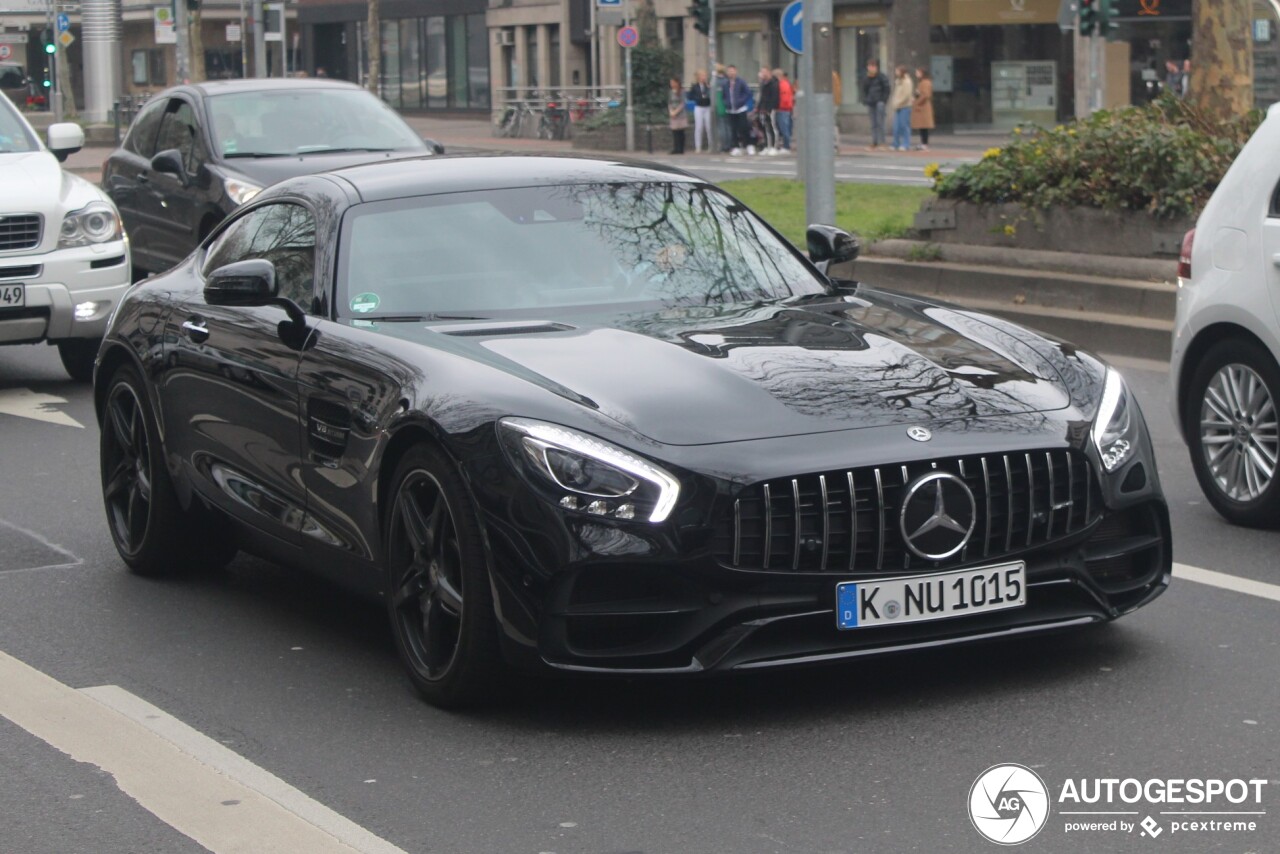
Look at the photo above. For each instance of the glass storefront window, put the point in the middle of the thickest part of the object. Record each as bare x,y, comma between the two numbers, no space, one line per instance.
478,60
410,65
857,45
457,61
741,50
390,71
437,65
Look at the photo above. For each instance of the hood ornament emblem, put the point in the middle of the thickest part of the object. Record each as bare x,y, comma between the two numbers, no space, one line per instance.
938,516
920,434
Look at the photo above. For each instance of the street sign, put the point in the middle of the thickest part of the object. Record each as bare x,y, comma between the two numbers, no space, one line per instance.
5,51
65,38
13,38
164,30
614,4
233,32
628,36
793,26
64,23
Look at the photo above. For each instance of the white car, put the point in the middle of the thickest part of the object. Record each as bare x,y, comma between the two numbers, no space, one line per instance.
64,259
1226,348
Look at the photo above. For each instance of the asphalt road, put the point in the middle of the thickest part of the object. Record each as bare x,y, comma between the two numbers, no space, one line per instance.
291,675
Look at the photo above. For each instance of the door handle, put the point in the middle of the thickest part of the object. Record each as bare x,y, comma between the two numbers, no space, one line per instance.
143,178
196,330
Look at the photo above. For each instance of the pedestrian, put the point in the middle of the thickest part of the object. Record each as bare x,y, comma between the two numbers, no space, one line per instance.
786,108
765,108
900,107
1185,89
700,94
1173,78
723,129
875,92
922,108
837,95
737,107
678,115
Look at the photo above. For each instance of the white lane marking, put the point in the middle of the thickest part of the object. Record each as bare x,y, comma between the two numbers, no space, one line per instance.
25,403
72,560
198,787
1235,583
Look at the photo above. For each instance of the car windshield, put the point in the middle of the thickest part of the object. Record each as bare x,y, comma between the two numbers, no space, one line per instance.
14,136
542,250
284,122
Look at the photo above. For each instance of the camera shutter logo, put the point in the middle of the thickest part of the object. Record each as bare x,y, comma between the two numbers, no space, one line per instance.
1009,804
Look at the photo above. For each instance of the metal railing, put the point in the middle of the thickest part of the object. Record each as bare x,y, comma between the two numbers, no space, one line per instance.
521,111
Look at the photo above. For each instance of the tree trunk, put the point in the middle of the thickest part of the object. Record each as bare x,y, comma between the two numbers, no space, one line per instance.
195,46
373,46
1221,81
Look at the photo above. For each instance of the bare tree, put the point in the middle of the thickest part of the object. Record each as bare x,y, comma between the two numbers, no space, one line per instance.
195,45
1221,81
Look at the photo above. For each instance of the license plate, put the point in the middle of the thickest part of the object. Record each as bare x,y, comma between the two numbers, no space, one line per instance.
918,598
13,296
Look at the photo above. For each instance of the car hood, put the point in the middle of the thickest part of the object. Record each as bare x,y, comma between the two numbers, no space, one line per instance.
700,376
266,171
34,182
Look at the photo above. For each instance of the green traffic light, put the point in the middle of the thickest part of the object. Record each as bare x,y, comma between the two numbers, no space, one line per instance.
50,48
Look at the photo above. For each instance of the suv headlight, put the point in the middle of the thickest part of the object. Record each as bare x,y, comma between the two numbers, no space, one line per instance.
1113,428
96,222
586,474
240,191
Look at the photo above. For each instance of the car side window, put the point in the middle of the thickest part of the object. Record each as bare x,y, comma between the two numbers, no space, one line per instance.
142,136
1274,213
284,234
179,131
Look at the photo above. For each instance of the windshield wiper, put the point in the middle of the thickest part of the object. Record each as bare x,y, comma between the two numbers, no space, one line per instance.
256,154
308,150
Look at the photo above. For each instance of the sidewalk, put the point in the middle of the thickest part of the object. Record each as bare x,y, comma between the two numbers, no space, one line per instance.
460,134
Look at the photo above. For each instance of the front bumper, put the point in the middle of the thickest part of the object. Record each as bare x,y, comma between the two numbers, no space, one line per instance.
66,278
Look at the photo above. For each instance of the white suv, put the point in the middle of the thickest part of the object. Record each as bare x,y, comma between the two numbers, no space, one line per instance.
64,259
1226,347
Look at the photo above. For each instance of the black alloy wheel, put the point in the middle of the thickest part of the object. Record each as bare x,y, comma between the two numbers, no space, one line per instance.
1232,426
438,596
148,527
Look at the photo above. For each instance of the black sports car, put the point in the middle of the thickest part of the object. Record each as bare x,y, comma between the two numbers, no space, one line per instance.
598,416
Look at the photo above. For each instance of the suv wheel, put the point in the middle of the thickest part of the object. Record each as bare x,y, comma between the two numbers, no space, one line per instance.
1233,428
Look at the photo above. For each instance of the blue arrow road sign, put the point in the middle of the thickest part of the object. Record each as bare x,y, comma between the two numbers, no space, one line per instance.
793,26
615,3
64,23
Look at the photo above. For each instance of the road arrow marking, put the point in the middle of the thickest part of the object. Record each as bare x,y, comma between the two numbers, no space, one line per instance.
25,403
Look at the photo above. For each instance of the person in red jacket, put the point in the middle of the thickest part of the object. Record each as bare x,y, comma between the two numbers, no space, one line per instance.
786,105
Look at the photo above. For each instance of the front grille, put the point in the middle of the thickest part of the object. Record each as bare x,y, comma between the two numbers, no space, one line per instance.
19,231
848,521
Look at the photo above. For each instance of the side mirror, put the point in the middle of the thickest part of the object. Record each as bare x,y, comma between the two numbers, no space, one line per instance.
830,245
169,161
64,139
437,147
244,283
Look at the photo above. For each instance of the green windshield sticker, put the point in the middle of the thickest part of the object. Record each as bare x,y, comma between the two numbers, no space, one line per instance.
364,303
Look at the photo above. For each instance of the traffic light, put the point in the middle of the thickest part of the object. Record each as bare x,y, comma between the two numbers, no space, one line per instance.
46,37
1108,11
1088,17
701,12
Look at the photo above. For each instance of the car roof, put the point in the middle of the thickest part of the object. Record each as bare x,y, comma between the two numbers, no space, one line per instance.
433,174
264,84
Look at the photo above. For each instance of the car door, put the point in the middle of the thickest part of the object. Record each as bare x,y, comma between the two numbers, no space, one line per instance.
179,201
229,392
126,178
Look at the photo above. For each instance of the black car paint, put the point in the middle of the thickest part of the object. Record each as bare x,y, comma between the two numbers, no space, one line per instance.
166,215
318,429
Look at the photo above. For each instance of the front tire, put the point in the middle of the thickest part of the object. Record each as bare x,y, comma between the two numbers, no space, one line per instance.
148,527
1232,427
438,595
78,356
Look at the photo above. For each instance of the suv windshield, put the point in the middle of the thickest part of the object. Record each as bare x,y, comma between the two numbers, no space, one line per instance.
287,122
546,249
14,136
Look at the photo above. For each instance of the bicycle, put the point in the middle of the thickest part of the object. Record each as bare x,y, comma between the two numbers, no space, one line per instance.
554,122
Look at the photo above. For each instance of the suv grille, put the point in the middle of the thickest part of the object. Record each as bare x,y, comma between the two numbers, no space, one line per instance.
19,231
848,521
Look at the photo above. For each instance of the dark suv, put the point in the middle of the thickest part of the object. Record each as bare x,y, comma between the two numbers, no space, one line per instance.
195,153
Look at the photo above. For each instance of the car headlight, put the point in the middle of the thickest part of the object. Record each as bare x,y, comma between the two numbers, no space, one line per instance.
96,222
240,191
1113,428
589,475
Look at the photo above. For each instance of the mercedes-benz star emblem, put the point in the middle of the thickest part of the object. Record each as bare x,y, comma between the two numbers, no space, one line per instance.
920,434
938,516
